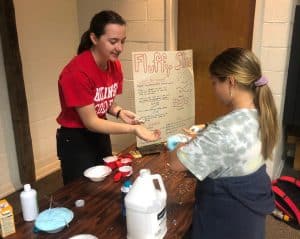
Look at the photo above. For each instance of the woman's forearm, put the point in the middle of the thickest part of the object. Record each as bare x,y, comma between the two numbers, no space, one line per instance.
114,109
93,123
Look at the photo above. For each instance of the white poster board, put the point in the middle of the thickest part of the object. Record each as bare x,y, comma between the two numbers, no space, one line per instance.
164,91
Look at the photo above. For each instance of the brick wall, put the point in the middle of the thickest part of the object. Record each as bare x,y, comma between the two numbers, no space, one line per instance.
272,39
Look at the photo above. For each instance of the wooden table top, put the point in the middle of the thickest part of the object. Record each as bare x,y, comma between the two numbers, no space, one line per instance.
101,215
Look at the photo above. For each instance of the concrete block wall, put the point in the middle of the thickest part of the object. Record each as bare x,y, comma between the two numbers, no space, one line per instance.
145,32
274,49
48,38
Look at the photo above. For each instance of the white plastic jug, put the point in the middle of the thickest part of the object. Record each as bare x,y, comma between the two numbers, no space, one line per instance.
146,215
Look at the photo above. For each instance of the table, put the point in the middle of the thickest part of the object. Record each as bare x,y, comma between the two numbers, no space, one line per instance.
101,215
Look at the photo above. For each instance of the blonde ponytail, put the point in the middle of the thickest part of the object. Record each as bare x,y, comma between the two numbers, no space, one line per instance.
245,67
268,122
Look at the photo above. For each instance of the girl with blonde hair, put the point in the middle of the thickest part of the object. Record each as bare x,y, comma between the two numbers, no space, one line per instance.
233,192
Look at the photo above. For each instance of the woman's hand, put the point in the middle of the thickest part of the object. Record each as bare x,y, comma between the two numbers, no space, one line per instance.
130,118
145,134
127,117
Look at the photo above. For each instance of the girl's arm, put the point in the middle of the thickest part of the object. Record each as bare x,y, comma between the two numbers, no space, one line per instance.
175,163
93,123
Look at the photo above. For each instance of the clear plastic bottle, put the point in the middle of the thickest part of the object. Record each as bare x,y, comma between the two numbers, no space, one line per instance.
29,203
124,190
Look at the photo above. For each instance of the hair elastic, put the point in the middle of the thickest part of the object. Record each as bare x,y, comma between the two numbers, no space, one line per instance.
261,81
118,113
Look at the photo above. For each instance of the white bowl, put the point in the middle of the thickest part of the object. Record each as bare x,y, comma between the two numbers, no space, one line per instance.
97,173
83,236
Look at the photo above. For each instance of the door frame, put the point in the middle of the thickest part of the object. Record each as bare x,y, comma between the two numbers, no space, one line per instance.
16,91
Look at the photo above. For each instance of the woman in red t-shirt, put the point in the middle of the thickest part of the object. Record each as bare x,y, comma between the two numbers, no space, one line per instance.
87,87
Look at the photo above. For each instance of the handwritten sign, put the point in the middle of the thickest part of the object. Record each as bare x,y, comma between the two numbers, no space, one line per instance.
164,90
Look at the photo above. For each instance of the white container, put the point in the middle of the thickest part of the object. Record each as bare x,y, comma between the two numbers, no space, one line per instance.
145,205
29,203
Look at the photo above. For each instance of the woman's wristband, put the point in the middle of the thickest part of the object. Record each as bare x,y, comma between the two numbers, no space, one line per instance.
118,113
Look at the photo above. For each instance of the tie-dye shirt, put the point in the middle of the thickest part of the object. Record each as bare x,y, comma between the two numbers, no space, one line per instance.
229,146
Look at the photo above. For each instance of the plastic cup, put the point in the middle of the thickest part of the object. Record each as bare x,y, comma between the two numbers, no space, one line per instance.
126,162
126,170
111,161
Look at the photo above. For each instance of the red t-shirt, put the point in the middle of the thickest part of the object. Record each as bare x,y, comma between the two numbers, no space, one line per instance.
82,83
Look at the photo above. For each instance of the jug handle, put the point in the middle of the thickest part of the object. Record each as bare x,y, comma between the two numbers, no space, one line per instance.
160,181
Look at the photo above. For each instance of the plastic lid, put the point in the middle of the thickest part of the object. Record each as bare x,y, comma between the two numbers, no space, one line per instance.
144,172
27,187
126,186
127,183
79,203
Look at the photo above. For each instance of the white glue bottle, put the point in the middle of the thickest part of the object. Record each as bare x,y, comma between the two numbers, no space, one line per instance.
29,203
146,215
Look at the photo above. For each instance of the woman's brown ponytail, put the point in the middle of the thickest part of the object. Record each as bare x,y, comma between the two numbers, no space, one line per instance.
85,42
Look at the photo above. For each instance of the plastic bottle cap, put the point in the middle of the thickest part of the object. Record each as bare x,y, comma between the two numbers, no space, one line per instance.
144,172
126,186
79,203
27,187
127,183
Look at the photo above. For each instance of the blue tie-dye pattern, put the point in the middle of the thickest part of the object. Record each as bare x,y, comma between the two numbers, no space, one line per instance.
224,148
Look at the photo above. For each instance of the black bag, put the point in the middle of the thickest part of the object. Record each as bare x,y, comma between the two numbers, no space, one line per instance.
287,200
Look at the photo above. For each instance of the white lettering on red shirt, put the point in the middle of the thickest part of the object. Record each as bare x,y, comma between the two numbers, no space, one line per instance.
104,98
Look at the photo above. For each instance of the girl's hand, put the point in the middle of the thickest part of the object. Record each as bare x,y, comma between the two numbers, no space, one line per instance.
175,140
147,135
192,132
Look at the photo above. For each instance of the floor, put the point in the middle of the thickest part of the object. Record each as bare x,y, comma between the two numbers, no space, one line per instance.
277,229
